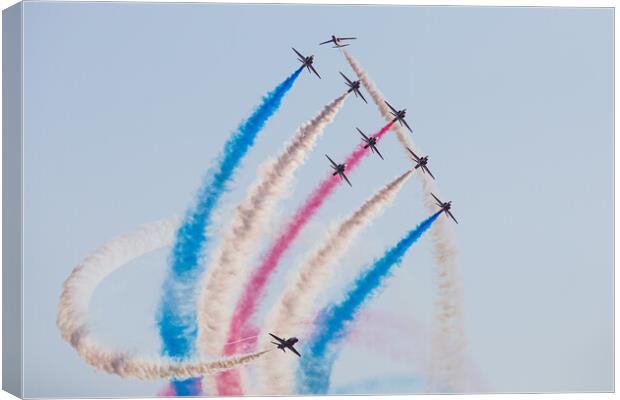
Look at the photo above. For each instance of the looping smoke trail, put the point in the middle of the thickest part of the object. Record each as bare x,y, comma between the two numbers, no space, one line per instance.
177,312
449,338
335,320
228,270
254,289
72,318
300,300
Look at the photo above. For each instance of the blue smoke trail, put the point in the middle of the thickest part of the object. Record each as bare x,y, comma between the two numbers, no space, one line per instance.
332,325
177,313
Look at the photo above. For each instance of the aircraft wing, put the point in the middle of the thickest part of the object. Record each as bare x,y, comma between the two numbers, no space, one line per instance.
346,79
294,351
429,171
332,161
451,216
415,157
345,178
328,41
317,74
406,124
298,53
276,338
379,154
388,104
362,96
435,197
362,133
347,38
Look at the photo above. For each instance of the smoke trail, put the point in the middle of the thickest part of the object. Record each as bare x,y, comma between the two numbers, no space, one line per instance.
253,291
188,387
378,99
408,344
299,301
166,391
177,313
335,321
72,318
227,272
449,338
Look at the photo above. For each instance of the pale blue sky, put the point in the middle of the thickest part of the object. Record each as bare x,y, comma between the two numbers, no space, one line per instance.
127,104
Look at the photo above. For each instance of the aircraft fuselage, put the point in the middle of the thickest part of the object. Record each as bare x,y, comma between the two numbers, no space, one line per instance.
288,343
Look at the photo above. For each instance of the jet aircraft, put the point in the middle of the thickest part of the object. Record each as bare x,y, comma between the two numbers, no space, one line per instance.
445,207
284,344
354,86
421,162
399,115
339,169
337,41
306,62
370,142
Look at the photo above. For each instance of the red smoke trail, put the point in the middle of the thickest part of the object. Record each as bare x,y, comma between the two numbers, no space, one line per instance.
167,391
229,382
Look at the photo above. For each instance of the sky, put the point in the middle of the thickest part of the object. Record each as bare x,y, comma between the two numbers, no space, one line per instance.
127,104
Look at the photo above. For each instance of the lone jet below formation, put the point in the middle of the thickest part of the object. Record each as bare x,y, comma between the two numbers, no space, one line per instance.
370,142
354,86
421,162
306,62
284,344
399,115
337,41
445,207
339,169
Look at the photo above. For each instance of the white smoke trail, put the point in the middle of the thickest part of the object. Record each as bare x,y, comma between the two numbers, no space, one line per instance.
298,304
449,338
72,319
227,273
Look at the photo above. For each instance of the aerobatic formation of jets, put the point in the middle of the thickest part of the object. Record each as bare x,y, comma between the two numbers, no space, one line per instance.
369,142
